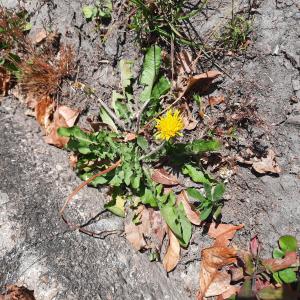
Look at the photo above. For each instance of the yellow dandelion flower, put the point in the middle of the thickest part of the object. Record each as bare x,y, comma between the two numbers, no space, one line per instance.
169,125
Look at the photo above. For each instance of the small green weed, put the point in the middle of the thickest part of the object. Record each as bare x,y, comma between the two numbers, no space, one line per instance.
287,243
236,33
101,11
131,181
162,19
12,38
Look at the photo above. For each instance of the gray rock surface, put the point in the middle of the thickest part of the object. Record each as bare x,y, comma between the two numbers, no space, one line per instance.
36,247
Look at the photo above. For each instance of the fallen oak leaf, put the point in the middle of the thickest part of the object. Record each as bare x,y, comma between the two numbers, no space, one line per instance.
267,164
213,259
277,264
163,177
172,256
223,233
191,213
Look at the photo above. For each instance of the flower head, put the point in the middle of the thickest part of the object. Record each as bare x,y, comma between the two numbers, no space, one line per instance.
169,125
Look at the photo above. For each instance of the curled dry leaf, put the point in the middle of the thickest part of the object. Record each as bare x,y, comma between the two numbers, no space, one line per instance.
213,259
200,80
15,292
267,164
4,81
172,256
277,264
163,177
191,213
44,110
223,233
63,117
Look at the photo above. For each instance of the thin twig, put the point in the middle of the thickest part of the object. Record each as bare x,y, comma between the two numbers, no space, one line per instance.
82,185
153,151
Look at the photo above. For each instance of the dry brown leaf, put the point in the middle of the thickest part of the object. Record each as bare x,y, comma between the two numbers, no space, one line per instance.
223,233
188,120
44,110
15,292
213,259
220,284
172,256
37,35
191,213
151,227
135,236
70,115
216,100
63,117
277,264
267,164
201,79
158,227
237,273
4,82
163,177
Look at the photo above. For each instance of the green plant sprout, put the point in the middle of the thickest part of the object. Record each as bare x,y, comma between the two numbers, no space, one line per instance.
131,181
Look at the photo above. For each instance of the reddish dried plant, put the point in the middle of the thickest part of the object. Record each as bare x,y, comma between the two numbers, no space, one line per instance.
42,75
12,30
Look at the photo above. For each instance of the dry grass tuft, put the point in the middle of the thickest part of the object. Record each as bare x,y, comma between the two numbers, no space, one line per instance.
42,75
